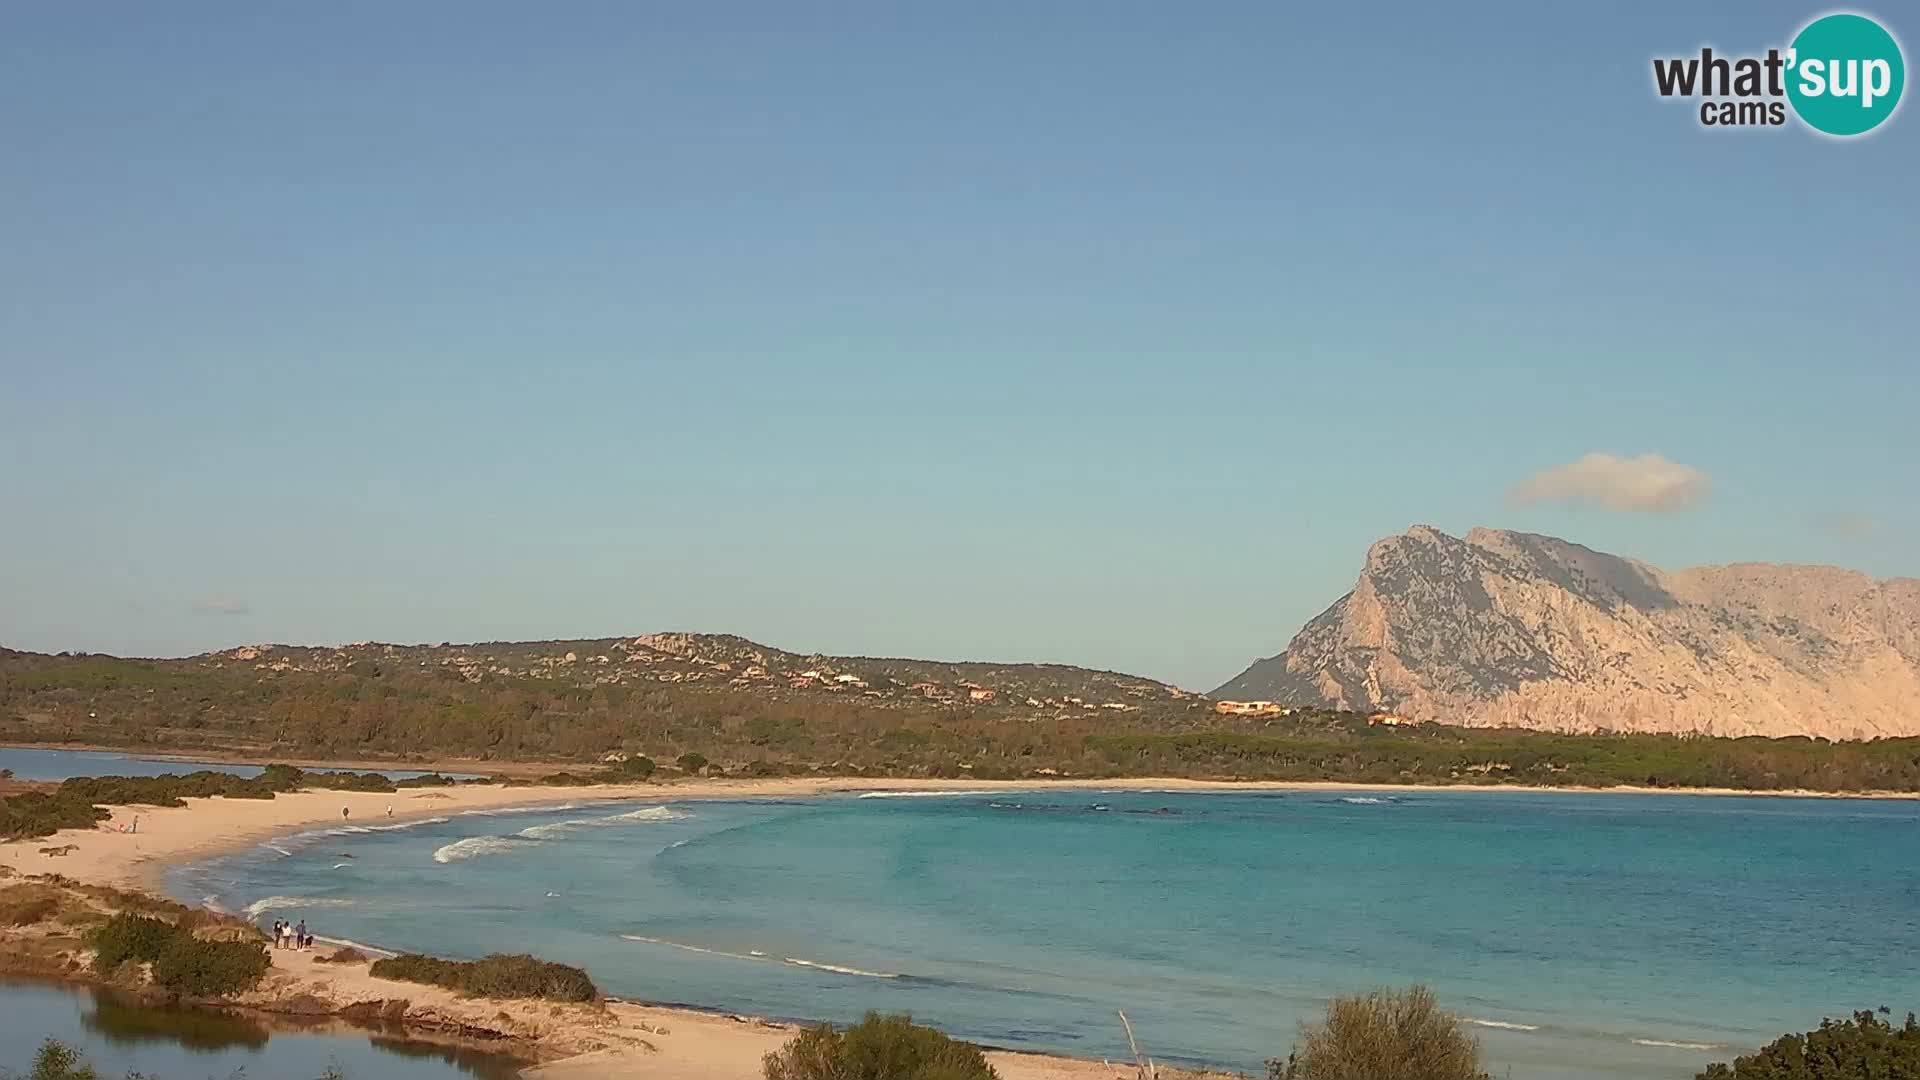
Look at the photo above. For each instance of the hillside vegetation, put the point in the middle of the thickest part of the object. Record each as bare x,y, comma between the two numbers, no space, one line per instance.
722,704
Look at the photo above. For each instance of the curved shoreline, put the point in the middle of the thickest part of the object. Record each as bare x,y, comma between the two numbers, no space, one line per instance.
675,1040
574,1042
170,835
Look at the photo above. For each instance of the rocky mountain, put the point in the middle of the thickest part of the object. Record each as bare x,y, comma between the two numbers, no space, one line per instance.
1518,630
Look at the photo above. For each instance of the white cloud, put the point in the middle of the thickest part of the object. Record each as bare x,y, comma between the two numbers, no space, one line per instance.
221,605
1645,484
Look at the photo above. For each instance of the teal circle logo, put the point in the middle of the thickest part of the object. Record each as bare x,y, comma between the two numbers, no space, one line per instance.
1845,74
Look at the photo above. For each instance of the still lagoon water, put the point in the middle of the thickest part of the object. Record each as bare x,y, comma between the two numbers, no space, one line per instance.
117,1037
1587,937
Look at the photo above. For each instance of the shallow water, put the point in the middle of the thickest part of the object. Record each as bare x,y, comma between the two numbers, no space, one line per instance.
1586,936
34,763
117,1036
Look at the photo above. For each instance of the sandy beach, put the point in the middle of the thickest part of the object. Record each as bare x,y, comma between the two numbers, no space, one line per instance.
622,1039
574,1042
169,836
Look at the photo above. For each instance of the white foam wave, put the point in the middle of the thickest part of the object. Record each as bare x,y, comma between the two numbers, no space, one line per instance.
476,845
212,903
838,970
498,810
558,829
924,794
284,853
1363,800
414,824
341,865
756,954
682,946
1666,1044
1504,1025
349,943
291,903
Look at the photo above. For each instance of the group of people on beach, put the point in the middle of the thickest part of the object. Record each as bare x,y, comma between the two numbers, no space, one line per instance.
288,936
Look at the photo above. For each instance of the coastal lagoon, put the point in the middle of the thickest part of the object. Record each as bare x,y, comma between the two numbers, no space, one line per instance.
1585,936
170,1043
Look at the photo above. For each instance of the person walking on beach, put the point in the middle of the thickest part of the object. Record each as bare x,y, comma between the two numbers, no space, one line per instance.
389,809
343,813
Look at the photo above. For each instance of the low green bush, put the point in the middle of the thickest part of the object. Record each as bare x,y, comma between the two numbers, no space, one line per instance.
877,1048
181,961
1863,1048
189,965
129,937
1384,1035
496,976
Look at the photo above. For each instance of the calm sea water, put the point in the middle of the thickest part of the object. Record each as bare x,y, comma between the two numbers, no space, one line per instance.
33,763
1587,936
196,1044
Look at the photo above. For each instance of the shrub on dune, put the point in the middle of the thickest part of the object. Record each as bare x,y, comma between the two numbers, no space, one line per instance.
1384,1035
877,1048
496,976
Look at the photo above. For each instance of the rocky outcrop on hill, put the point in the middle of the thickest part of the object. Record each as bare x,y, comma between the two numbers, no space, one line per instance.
1514,629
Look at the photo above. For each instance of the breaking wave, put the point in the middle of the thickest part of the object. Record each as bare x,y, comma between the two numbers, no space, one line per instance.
558,829
291,903
839,970
758,956
357,830
476,845
1503,1025
924,794
498,810
1666,1044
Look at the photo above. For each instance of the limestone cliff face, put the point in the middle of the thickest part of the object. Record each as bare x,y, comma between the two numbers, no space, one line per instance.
1513,629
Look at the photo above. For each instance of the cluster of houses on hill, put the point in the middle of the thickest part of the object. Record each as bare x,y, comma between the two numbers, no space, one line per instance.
1274,708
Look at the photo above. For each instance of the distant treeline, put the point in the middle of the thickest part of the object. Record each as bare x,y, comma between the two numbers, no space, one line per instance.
409,713
81,803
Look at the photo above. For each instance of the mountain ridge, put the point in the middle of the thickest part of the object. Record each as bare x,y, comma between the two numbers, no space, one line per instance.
1507,628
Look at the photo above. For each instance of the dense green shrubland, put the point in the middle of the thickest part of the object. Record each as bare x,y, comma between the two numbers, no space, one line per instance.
181,961
79,803
1865,1047
496,976
416,711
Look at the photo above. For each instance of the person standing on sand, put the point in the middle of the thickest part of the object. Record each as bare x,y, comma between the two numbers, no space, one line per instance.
389,809
300,936
343,813
276,933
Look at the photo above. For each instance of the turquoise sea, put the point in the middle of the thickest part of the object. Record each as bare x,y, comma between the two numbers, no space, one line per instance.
1586,936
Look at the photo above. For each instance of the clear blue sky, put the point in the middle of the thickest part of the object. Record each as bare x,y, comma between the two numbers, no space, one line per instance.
1109,333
